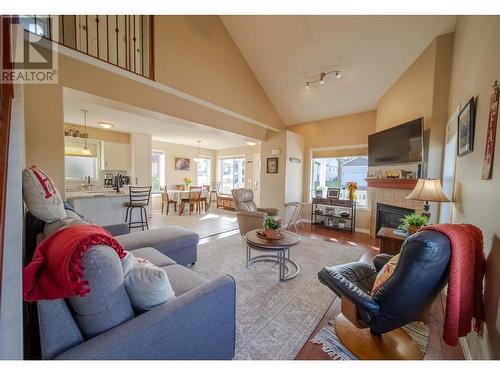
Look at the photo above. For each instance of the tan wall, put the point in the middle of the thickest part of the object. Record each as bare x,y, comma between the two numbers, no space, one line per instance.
248,152
196,54
102,134
422,91
335,132
476,66
44,134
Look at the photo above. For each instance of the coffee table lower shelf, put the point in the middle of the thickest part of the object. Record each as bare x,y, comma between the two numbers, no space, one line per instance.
282,257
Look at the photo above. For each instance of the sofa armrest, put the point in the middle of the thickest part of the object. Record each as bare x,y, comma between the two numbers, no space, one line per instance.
380,260
269,211
117,229
199,324
353,281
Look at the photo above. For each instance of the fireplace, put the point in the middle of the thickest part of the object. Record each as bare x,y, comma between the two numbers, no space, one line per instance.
390,216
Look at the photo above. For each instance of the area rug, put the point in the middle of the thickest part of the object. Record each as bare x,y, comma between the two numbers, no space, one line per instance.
274,319
331,344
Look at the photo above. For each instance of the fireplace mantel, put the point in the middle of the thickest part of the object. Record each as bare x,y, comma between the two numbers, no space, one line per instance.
392,183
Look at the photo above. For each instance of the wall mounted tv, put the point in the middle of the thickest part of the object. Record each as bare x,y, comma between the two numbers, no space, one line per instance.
398,145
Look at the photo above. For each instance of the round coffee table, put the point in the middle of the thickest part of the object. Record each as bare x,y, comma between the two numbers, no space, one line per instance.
279,249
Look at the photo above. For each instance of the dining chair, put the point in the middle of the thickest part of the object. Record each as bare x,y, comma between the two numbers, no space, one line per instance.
206,199
165,200
180,187
138,198
194,199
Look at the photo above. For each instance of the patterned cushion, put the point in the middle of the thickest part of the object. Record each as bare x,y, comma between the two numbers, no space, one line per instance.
385,273
41,195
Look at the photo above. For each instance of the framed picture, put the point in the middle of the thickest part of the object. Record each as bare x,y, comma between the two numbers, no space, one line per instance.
182,164
272,165
466,120
333,193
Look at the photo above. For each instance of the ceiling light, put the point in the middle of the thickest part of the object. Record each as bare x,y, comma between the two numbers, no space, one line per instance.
85,151
321,79
251,143
198,158
105,125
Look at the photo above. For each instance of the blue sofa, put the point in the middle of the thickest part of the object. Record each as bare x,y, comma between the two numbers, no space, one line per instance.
199,323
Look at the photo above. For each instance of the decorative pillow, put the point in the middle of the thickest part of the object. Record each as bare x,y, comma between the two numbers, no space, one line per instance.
71,218
385,273
41,195
147,285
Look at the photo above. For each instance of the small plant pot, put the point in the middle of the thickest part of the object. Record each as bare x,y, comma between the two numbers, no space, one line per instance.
272,233
341,225
318,194
412,229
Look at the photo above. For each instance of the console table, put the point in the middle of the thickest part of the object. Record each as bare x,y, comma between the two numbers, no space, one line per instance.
326,213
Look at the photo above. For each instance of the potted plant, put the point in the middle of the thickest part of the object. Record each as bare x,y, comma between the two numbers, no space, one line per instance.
413,222
272,227
187,181
319,191
352,186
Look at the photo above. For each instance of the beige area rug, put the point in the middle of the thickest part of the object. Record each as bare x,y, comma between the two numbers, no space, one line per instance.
205,224
274,319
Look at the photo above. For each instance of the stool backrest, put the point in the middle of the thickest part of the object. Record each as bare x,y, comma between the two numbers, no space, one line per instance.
139,195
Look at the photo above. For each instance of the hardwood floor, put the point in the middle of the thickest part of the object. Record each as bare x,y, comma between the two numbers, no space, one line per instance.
437,348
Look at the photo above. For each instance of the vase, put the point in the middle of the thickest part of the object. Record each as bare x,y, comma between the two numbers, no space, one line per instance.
352,195
272,234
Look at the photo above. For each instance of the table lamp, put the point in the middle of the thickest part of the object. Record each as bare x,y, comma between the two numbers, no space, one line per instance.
428,190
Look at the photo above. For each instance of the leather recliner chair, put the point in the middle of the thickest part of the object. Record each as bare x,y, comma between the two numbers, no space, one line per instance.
249,216
369,325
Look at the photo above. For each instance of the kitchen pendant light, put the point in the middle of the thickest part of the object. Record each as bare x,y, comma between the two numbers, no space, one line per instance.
85,151
198,158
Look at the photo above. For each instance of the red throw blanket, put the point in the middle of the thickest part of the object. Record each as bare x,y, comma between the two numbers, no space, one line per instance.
465,281
56,270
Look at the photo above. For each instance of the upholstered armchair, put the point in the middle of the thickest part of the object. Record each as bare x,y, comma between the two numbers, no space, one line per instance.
249,216
370,323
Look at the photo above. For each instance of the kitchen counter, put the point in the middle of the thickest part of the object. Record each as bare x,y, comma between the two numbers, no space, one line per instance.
101,206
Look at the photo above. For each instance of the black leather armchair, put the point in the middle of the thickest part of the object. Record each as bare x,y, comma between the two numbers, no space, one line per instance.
419,276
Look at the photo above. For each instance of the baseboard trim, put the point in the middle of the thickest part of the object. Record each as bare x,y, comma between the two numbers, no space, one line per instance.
465,348
362,230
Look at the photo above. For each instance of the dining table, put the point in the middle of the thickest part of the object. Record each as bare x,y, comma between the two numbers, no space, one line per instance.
180,195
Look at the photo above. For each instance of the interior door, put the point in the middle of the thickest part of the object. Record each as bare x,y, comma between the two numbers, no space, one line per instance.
256,179
450,156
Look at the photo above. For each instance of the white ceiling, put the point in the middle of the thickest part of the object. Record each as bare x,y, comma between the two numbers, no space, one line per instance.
129,119
371,51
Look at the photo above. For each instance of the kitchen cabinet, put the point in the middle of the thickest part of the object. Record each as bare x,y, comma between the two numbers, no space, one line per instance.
115,156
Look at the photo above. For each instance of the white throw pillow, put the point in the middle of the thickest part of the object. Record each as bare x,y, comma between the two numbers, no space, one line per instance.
147,285
41,195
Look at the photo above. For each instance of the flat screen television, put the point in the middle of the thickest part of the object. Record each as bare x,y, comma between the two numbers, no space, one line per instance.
398,145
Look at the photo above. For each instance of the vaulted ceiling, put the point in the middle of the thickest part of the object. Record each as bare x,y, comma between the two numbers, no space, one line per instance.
371,51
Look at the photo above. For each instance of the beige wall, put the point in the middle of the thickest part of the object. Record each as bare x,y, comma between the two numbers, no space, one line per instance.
476,65
196,54
340,131
422,91
102,134
248,152
44,134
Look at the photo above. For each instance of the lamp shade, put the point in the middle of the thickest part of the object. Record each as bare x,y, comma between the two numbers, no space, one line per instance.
428,190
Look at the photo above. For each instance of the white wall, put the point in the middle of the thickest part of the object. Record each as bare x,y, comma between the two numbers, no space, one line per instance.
11,313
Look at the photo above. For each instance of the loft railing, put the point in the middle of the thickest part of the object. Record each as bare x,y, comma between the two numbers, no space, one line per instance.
121,40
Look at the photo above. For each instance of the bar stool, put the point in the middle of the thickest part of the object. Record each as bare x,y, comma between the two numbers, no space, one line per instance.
138,198
214,189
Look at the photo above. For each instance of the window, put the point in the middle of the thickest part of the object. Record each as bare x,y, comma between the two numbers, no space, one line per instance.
337,171
157,171
232,173
203,177
78,167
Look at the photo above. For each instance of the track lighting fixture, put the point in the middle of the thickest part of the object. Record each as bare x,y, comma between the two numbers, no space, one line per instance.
322,76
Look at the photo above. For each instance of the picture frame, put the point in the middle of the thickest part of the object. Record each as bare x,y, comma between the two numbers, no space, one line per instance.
466,127
182,164
333,193
272,165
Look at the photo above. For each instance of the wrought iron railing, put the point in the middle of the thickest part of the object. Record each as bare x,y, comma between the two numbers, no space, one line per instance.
126,41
